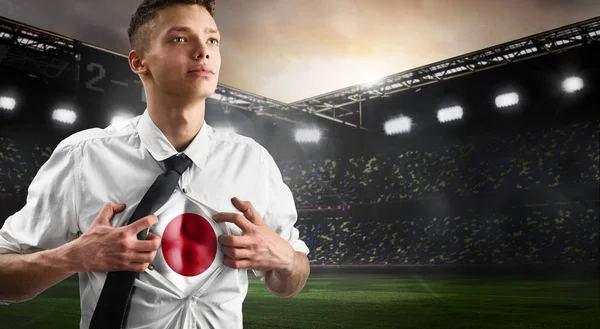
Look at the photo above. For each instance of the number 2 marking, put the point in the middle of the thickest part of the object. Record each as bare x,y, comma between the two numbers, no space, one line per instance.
101,74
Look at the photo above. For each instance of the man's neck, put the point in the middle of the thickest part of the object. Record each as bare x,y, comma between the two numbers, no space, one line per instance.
180,124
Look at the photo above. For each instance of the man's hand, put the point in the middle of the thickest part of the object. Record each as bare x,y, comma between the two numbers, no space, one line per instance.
259,247
103,248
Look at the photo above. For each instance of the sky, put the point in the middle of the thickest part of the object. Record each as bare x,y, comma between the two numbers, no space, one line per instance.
290,50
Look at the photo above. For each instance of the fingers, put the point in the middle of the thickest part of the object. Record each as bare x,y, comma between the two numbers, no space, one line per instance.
247,208
235,241
137,267
240,221
236,253
142,224
152,243
138,255
142,257
108,211
232,263
144,253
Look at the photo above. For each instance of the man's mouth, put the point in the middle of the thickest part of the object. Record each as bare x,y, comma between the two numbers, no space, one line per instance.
202,70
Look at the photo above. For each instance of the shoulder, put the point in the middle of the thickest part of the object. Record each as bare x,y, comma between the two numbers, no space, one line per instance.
103,135
239,144
234,140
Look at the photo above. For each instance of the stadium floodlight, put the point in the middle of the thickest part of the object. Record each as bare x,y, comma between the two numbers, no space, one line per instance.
398,125
371,80
450,114
308,135
64,116
7,103
572,84
121,117
507,100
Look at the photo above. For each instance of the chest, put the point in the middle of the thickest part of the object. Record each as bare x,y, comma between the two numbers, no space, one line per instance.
214,185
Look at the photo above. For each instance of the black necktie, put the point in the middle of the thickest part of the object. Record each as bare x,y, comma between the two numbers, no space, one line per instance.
113,304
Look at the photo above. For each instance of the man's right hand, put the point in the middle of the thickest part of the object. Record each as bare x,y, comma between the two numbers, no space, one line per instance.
103,248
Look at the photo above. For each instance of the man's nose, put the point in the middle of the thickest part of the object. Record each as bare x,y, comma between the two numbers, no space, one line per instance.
201,52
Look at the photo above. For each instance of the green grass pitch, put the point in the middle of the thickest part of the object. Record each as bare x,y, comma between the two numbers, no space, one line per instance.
374,301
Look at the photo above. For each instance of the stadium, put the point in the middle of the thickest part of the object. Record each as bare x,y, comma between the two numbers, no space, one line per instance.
461,194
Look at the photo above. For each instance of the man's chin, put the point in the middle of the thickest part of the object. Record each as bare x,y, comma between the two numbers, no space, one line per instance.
199,95
202,92
204,95
205,91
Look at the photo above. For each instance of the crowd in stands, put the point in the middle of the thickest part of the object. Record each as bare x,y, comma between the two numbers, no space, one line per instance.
19,162
549,235
546,158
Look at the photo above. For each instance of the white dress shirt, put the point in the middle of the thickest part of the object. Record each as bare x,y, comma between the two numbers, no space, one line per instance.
118,164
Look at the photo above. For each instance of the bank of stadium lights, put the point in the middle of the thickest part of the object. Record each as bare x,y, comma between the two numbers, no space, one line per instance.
308,135
400,125
450,114
121,117
7,103
507,100
64,116
572,84
371,80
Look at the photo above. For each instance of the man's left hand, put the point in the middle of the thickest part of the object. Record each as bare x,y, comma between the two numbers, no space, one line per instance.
259,247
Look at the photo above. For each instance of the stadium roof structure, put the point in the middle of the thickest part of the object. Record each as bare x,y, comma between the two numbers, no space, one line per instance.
58,58
340,104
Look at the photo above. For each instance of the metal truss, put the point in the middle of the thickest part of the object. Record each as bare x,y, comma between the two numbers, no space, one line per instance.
230,97
340,104
57,57
37,52
345,102
51,56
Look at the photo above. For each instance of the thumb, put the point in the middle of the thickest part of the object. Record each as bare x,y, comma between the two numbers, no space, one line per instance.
247,209
107,213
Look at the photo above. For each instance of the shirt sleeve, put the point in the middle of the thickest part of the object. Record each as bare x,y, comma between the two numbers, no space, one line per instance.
49,217
281,214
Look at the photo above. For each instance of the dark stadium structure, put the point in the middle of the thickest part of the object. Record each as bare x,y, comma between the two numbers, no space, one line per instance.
504,192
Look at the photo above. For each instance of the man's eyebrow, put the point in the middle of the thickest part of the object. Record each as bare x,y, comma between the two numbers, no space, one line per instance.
179,29
208,29
211,30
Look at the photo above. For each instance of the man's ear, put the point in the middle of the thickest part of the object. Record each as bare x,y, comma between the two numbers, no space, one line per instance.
136,63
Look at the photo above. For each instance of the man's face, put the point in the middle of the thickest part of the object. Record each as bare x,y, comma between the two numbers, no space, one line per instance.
183,57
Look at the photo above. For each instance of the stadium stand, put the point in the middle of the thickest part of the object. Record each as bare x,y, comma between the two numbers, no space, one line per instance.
547,160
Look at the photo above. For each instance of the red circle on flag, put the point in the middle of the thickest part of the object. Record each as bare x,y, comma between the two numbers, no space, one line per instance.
189,244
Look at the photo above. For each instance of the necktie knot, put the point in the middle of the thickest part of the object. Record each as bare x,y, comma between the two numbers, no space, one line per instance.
178,163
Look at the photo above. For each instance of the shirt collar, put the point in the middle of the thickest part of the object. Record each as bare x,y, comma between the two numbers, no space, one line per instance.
160,148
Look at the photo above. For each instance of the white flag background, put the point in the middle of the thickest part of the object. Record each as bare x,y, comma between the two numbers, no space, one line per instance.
189,253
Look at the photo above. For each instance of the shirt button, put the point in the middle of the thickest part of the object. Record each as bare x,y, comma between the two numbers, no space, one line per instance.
184,191
151,267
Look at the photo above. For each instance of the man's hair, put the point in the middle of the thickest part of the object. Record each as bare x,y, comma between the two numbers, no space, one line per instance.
140,26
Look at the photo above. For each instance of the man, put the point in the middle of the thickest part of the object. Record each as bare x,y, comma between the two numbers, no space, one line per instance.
59,232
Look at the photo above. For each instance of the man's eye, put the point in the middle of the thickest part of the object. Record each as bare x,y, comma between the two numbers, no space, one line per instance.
214,41
179,38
